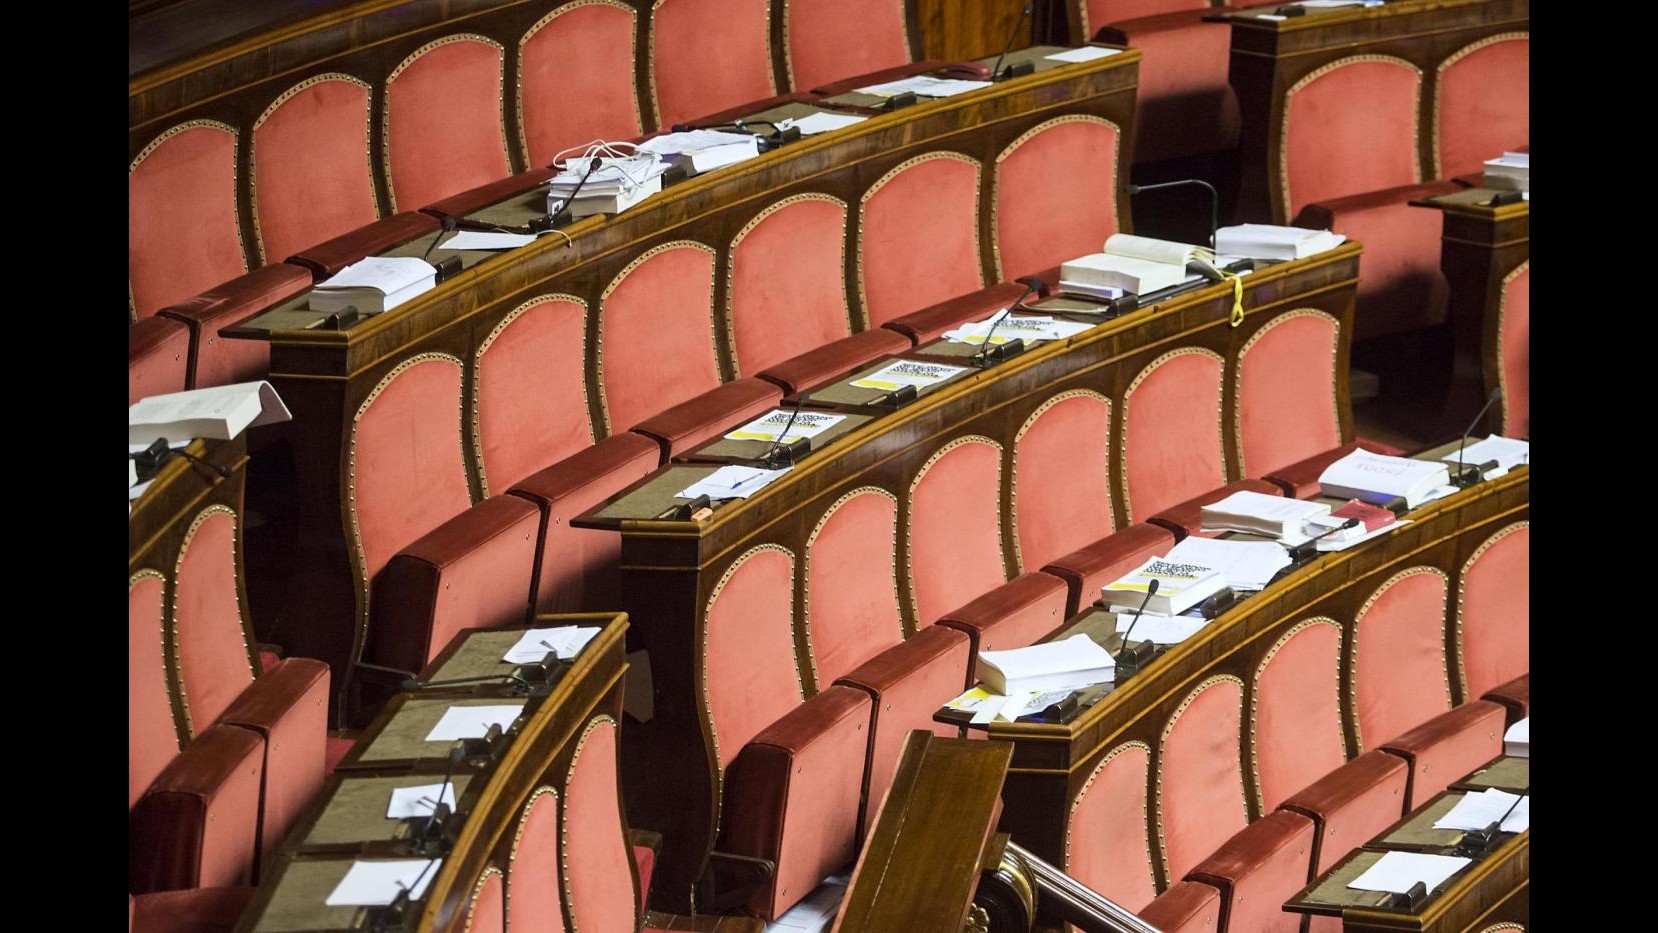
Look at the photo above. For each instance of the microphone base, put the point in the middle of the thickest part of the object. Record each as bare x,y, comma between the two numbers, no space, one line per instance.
1470,474
991,355
1015,70
787,454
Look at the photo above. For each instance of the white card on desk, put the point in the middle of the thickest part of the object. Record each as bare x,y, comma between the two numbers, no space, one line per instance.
731,482
1397,872
377,883
816,123
480,239
409,802
471,722
1474,812
564,641
1085,54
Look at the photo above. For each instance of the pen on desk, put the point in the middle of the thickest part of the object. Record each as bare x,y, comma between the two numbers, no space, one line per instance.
549,647
747,478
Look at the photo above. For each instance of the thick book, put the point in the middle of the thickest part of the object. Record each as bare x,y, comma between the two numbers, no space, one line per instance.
1137,264
1180,586
1071,664
1517,740
374,285
1378,479
221,413
1271,241
1257,513
1509,172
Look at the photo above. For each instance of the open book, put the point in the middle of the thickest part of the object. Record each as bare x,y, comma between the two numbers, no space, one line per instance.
1138,264
220,412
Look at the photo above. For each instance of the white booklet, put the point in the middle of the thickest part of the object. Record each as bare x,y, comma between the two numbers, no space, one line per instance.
1180,586
483,239
1259,513
1474,812
1071,664
1085,54
1004,326
908,373
1378,479
220,413
770,426
1137,264
1246,565
1517,740
924,86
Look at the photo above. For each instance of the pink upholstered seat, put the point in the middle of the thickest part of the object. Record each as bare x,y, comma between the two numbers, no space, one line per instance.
1172,432
1285,381
1494,611
1106,836
1200,797
1186,104
1062,478
183,234
1258,869
953,541
158,357
786,291
1295,718
656,342
826,40
598,865
578,566
534,904
1020,612
530,394
1397,656
1481,103
327,258
906,684
1092,566
1449,747
196,910
918,236
1351,804
1186,907
1514,352
216,360
443,126
310,166
851,583
486,908
569,87
152,732
197,824
1055,189
748,658
707,56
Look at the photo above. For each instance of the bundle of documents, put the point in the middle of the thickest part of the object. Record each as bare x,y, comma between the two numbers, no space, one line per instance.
486,240
1475,812
908,373
1380,479
702,150
1508,453
1257,513
1065,665
924,86
1398,872
1180,586
1509,172
1245,565
1004,326
375,284
615,184
731,482
563,642
821,122
799,424
1371,518
1137,264
1517,740
1271,241
221,413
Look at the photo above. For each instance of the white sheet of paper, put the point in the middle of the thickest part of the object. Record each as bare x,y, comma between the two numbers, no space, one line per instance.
768,426
1331,544
1161,630
989,707
1519,732
816,123
565,641
409,802
1477,811
480,239
375,884
176,445
1085,54
692,140
1508,453
385,274
1247,565
132,473
731,482
924,86
908,373
471,722
1004,326
816,911
134,492
1395,872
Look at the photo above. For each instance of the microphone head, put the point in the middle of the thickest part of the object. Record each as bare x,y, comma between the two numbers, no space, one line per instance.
450,223
1028,8
1350,523
409,685
457,751
1151,588
1496,393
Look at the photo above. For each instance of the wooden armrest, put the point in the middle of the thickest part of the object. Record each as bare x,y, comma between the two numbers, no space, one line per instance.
731,880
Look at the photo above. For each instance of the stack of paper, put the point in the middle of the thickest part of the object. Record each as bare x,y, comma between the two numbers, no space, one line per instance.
472,722
1517,740
375,284
731,482
484,239
1004,326
1271,241
221,413
564,642
1246,565
703,150
1398,872
1509,172
614,186
1475,812
377,883
1065,665
822,122
1180,586
924,86
799,424
1508,453
1260,514
1380,479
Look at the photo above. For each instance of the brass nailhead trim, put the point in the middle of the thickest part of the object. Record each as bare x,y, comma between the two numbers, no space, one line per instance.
174,706
1076,803
909,508
1439,84
178,570
995,177
1255,698
900,168
731,266
478,369
1462,588
1013,500
633,58
1502,312
235,214
1128,396
477,889
518,835
253,151
806,572
1353,650
615,283
1284,131
500,99
1335,349
1162,746
650,57
603,719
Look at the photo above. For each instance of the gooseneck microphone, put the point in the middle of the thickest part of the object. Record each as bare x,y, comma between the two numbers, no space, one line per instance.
456,753
1214,199
1461,480
788,452
449,224
988,353
996,69
1151,590
1309,547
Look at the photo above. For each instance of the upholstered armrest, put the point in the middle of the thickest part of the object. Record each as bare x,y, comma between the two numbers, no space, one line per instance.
1088,568
287,706
1013,615
699,419
791,796
1448,747
197,910
1187,517
815,367
1515,696
158,357
459,205
1351,804
931,322
198,823
1325,214
327,258
1300,479
473,571
215,360
895,73
1260,867
1186,907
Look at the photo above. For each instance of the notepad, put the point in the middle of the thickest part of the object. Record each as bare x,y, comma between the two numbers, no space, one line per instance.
1272,241
1508,452
479,239
770,426
816,123
731,482
1246,565
1137,264
419,800
1085,54
908,373
1475,812
565,642
220,412
377,883
1397,872
471,722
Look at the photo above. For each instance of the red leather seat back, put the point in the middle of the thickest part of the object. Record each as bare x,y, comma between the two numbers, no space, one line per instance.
570,89
707,56
1200,788
656,341
598,866
534,904
310,166
749,675
1062,478
444,130
851,583
183,233
1055,191
1494,612
918,236
486,908
152,733
1332,148
1398,656
1295,719
1286,390
1482,103
826,40
953,538
1107,843
212,654
158,357
531,406
1514,352
1172,449
791,256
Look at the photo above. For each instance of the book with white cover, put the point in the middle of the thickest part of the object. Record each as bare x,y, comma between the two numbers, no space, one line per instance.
1137,264
1509,172
1246,565
1180,586
1271,241
1071,664
1257,513
375,284
221,413
1517,740
1377,478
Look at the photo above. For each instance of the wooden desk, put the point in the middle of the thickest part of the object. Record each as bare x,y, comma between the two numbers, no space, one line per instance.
181,489
1483,247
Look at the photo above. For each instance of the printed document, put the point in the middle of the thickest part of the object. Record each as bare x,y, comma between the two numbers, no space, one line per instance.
565,642
769,426
731,482
908,373
471,722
